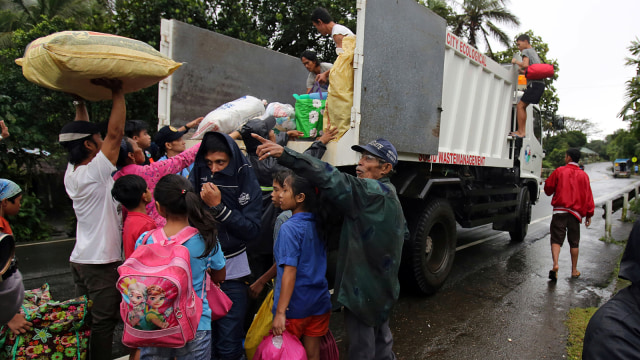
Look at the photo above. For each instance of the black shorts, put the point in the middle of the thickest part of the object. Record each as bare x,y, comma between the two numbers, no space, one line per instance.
565,224
533,93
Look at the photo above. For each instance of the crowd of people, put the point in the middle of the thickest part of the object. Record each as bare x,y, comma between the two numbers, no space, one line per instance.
260,215
268,213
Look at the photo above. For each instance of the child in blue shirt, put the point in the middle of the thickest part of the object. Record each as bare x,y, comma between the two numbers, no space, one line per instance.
302,302
180,205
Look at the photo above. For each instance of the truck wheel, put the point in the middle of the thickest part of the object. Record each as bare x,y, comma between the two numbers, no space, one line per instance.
434,245
523,218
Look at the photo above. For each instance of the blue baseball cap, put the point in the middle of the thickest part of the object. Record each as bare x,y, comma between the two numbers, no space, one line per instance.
380,148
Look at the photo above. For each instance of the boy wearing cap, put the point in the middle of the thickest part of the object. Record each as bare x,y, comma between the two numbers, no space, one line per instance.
88,182
370,249
170,142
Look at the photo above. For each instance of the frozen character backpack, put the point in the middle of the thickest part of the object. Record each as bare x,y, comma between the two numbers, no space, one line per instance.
159,305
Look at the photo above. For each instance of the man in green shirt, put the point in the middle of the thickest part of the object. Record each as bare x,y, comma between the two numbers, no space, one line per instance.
371,239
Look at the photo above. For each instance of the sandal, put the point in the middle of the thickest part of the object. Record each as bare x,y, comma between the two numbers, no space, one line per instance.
553,275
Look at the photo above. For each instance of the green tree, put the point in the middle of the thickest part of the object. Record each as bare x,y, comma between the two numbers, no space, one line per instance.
478,20
441,8
34,116
550,100
30,13
599,146
556,146
631,109
621,144
288,25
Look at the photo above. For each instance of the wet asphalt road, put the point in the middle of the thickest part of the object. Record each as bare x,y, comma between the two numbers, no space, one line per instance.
496,304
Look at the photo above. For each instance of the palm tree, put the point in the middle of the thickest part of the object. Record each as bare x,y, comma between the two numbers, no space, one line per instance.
631,109
477,21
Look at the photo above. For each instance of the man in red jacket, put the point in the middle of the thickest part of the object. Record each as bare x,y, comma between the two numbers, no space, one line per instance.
572,201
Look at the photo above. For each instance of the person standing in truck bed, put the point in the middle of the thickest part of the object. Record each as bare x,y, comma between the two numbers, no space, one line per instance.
535,88
326,26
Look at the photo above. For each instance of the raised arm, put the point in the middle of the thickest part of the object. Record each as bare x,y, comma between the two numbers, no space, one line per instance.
115,130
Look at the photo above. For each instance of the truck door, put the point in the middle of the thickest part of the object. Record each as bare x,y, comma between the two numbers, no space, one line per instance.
531,153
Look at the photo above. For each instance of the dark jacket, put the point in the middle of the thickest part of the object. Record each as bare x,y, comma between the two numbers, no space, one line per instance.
614,330
239,220
371,237
264,170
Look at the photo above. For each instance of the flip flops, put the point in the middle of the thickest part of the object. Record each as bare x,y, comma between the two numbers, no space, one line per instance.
553,275
576,276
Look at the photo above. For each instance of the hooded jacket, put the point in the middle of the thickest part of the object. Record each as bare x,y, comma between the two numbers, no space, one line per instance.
614,330
239,219
264,170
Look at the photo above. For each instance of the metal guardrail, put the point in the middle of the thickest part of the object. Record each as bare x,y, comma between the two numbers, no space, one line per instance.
615,203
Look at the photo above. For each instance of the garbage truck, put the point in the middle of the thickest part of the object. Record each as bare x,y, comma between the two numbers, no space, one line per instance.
447,108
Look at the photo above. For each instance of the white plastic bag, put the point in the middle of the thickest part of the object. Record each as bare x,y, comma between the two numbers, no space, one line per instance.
284,114
230,116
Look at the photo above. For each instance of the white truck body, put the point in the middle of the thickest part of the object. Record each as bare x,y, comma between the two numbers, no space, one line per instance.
446,107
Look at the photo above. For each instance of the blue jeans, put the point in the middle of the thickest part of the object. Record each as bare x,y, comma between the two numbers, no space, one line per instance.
197,349
228,332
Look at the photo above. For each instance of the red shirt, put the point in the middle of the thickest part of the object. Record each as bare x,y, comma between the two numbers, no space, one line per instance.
4,226
571,191
134,225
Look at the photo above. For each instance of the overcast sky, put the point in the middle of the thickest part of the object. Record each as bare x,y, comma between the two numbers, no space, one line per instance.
589,38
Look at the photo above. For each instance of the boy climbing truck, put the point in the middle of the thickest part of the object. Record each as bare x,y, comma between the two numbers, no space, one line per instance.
446,107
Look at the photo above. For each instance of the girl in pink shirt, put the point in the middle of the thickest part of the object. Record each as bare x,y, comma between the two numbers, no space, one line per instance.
131,156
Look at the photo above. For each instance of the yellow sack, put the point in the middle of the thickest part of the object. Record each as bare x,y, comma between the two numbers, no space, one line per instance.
260,326
340,98
67,60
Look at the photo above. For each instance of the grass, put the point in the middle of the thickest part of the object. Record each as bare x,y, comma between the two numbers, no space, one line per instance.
577,321
611,240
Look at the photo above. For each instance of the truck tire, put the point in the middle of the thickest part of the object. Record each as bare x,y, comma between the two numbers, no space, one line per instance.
523,217
434,245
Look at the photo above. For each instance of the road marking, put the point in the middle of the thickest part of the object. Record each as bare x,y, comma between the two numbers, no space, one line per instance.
45,242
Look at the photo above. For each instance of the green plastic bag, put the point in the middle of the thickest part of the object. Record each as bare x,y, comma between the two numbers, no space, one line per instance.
309,116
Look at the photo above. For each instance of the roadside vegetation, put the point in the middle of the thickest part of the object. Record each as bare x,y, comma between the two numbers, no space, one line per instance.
577,322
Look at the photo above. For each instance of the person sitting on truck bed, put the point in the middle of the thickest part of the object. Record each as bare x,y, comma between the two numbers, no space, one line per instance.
324,23
371,238
535,88
315,67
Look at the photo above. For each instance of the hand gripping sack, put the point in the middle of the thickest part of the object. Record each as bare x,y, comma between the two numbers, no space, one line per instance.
539,71
260,326
160,307
282,347
68,60
230,116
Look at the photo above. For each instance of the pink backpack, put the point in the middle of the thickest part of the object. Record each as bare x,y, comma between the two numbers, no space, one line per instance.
159,305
